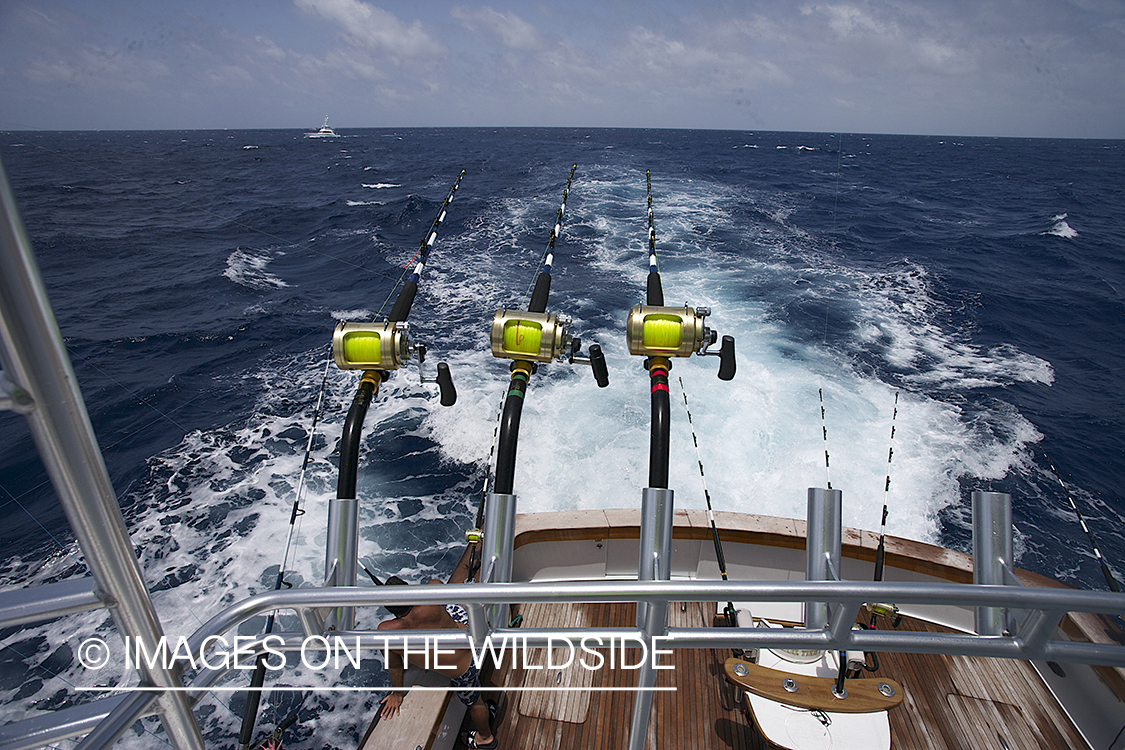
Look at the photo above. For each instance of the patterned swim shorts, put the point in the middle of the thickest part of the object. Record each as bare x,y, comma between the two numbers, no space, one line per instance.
468,685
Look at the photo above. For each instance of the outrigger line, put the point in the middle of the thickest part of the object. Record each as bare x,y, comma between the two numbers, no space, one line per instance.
1109,579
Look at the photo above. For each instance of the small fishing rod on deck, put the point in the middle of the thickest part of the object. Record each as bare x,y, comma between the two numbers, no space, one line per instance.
529,338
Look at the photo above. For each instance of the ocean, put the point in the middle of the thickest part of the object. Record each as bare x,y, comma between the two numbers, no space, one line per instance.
968,292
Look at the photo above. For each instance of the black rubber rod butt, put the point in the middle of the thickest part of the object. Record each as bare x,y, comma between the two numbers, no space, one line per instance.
880,559
405,299
597,362
661,424
350,439
510,431
726,359
253,699
540,294
445,383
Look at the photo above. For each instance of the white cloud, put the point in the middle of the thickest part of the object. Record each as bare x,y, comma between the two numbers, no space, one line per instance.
514,32
375,29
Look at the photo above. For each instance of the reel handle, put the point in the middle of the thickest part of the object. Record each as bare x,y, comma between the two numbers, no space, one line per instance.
726,359
597,362
443,379
445,384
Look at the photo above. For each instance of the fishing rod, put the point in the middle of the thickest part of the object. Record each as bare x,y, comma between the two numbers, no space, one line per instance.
254,697
1106,572
729,612
376,349
529,338
658,333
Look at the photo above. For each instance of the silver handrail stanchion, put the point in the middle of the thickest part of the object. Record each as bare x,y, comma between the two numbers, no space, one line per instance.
992,553
822,546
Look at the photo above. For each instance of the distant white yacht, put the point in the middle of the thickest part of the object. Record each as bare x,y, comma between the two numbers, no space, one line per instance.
324,132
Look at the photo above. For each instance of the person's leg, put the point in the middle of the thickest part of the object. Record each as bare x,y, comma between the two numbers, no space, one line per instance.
478,715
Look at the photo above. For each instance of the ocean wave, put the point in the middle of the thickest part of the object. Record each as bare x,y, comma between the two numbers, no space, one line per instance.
1061,228
247,267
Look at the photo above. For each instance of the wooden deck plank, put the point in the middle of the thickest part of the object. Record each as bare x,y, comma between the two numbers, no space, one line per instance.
950,702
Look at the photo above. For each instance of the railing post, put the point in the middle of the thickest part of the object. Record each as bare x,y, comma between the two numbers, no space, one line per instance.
499,535
822,547
654,563
34,358
341,556
992,553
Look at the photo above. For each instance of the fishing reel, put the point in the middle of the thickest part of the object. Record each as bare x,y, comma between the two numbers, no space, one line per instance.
543,337
385,347
677,332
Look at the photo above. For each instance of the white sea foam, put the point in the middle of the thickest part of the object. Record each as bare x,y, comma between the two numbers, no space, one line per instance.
1061,228
247,267
381,185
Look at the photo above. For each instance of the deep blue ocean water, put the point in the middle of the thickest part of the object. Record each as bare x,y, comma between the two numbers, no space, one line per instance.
197,276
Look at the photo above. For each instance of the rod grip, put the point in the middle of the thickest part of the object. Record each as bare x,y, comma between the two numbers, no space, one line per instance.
726,359
445,384
597,362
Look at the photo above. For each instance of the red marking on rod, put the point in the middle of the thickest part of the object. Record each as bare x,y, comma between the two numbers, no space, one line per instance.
660,387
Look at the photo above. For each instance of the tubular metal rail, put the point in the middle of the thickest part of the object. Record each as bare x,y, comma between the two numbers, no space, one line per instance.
38,381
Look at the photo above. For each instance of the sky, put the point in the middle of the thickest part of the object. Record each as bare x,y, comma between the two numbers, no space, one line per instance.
1028,68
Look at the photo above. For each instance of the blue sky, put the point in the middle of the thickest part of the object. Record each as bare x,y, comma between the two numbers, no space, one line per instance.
1049,68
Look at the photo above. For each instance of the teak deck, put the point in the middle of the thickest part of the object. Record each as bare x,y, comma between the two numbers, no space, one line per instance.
951,702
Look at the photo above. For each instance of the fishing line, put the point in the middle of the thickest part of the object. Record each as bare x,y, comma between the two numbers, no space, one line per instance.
428,241
548,252
1109,578
729,612
881,552
824,429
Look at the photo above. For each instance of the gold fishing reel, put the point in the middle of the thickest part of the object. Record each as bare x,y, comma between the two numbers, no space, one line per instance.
543,337
371,346
676,332
385,347
533,337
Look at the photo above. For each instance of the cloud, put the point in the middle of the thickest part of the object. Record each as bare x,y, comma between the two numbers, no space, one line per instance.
514,32
372,28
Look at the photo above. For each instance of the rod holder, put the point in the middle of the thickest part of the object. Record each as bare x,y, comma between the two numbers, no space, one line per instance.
992,553
341,557
499,535
654,561
822,547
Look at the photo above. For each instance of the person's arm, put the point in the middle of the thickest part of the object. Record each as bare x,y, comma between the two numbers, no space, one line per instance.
393,702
